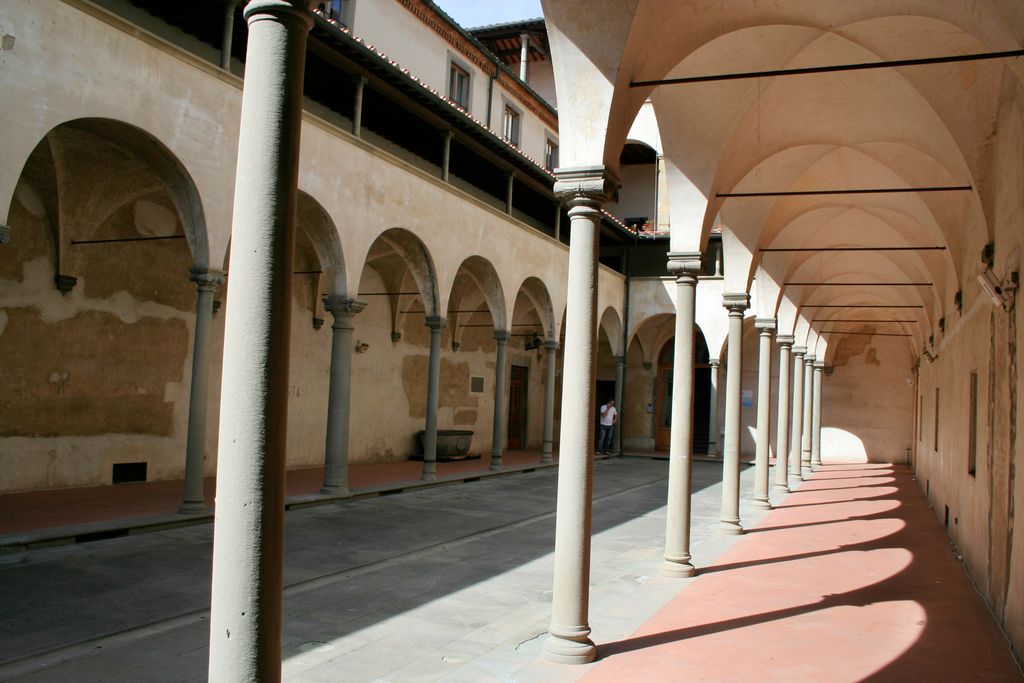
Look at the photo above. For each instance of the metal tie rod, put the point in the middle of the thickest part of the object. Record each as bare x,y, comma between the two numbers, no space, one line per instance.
821,249
833,68
859,284
858,190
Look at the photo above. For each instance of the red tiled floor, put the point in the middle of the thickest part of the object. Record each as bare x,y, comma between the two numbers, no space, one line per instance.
42,509
851,579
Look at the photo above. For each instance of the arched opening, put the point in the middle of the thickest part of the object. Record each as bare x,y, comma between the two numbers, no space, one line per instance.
98,309
701,394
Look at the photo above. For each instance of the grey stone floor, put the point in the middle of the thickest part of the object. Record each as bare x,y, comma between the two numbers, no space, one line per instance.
445,584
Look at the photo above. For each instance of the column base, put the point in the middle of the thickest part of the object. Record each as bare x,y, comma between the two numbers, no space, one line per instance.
729,528
815,466
566,651
189,507
496,464
429,476
781,488
335,491
806,472
795,480
761,503
546,459
677,569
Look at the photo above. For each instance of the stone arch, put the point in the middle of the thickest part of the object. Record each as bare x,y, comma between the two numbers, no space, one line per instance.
533,295
146,164
476,290
407,273
106,225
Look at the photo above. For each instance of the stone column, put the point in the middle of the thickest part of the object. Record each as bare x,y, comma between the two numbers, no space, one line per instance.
248,535
713,414
686,266
550,351
620,369
338,398
436,325
808,407
764,411
498,424
796,433
782,432
585,190
819,370
193,500
729,523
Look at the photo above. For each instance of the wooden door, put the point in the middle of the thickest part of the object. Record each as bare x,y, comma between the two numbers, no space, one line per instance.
517,407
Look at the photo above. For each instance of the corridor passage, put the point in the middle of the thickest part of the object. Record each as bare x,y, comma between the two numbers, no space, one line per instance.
849,579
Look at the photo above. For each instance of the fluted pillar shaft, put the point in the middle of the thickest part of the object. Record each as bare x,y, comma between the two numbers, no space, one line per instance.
819,369
713,412
248,538
585,190
764,411
339,394
796,431
193,500
808,408
729,522
686,266
550,356
498,424
782,431
436,325
620,369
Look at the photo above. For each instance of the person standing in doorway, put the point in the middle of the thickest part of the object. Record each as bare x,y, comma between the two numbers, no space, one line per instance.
609,416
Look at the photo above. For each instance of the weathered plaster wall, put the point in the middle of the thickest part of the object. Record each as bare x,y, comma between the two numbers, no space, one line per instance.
148,309
984,507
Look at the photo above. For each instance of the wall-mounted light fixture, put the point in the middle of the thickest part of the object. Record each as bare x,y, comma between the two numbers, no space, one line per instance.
361,346
1001,294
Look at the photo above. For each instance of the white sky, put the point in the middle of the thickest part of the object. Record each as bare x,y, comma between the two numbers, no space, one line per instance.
472,13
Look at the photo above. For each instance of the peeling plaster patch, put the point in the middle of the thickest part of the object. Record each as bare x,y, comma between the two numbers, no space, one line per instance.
8,42
36,290
872,356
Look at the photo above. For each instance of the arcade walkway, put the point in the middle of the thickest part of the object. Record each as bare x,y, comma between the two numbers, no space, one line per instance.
849,579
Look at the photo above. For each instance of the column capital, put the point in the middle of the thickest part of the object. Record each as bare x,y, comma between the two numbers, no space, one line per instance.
501,336
799,350
685,265
550,345
343,309
436,322
587,187
785,339
207,278
809,358
819,365
255,10
619,360
713,362
736,303
765,324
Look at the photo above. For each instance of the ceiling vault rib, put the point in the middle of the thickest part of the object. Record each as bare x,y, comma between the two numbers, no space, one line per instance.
834,68
821,193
